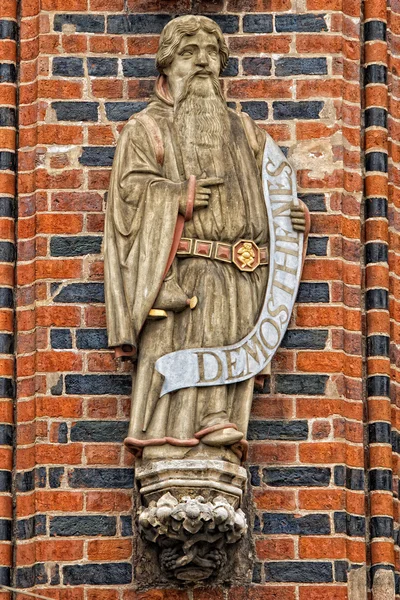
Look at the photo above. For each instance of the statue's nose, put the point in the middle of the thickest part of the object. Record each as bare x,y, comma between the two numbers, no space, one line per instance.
202,59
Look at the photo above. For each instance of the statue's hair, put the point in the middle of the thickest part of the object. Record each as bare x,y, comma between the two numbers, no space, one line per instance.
176,29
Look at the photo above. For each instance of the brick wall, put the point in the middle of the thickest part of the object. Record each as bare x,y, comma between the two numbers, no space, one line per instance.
86,66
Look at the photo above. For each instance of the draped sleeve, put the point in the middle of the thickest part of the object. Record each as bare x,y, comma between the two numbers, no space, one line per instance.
141,215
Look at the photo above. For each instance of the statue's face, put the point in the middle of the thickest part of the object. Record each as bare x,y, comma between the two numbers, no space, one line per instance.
199,52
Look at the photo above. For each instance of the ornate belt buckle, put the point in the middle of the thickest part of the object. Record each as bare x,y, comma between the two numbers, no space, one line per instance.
246,255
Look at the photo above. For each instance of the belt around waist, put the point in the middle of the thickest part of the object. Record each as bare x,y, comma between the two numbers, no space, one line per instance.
244,254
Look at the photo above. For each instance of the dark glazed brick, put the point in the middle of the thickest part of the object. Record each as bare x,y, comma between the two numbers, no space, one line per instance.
57,389
29,528
308,23
5,481
255,479
355,479
306,385
55,476
317,246
381,527
5,530
55,575
8,73
62,433
136,23
6,388
75,245
375,74
376,161
289,524
352,525
87,525
40,477
101,478
228,23
313,292
97,156
68,66
376,207
30,576
297,476
60,339
341,568
378,345
81,292
76,111
376,252
139,67
300,66
5,576
7,207
91,339
6,435
99,431
378,385
257,524
7,160
98,574
6,343
257,23
6,301
311,339
381,479
83,23
256,576
377,299
379,433
7,117
375,30
126,526
7,252
314,202
121,111
257,66
277,430
339,475
376,117
102,67
297,110
256,110
231,69
24,481
98,385
299,572
8,29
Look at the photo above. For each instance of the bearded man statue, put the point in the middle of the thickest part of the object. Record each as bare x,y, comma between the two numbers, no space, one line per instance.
186,186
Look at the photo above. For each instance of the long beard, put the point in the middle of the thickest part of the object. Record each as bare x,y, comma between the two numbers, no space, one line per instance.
201,115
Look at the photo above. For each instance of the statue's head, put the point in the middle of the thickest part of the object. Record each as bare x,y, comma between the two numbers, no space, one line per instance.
191,56
191,45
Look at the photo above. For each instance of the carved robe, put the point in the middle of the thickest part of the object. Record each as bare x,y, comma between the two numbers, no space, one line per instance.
149,169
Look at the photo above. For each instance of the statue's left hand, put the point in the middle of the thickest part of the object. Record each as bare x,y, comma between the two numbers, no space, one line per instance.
298,215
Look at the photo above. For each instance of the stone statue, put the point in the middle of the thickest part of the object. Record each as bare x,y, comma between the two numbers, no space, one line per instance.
187,266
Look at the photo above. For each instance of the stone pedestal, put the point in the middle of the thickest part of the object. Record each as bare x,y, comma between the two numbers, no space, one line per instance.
191,510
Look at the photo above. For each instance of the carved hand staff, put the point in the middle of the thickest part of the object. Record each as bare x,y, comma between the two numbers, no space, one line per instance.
204,242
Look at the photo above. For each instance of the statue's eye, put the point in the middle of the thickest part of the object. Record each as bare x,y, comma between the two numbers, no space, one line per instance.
187,53
212,53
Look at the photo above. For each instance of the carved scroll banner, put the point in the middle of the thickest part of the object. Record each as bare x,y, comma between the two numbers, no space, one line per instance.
247,357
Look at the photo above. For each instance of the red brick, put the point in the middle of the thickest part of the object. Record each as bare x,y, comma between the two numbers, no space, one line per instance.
322,547
56,223
275,549
274,499
109,550
59,550
58,360
58,316
59,501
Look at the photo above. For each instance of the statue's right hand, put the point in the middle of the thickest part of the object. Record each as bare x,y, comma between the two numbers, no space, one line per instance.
203,191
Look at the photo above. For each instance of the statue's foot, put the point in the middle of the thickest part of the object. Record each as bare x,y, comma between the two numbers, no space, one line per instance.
222,437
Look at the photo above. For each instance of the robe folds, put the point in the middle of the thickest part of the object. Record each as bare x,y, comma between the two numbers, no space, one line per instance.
146,188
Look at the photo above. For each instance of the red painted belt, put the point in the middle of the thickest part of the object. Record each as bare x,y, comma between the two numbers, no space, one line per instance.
245,254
